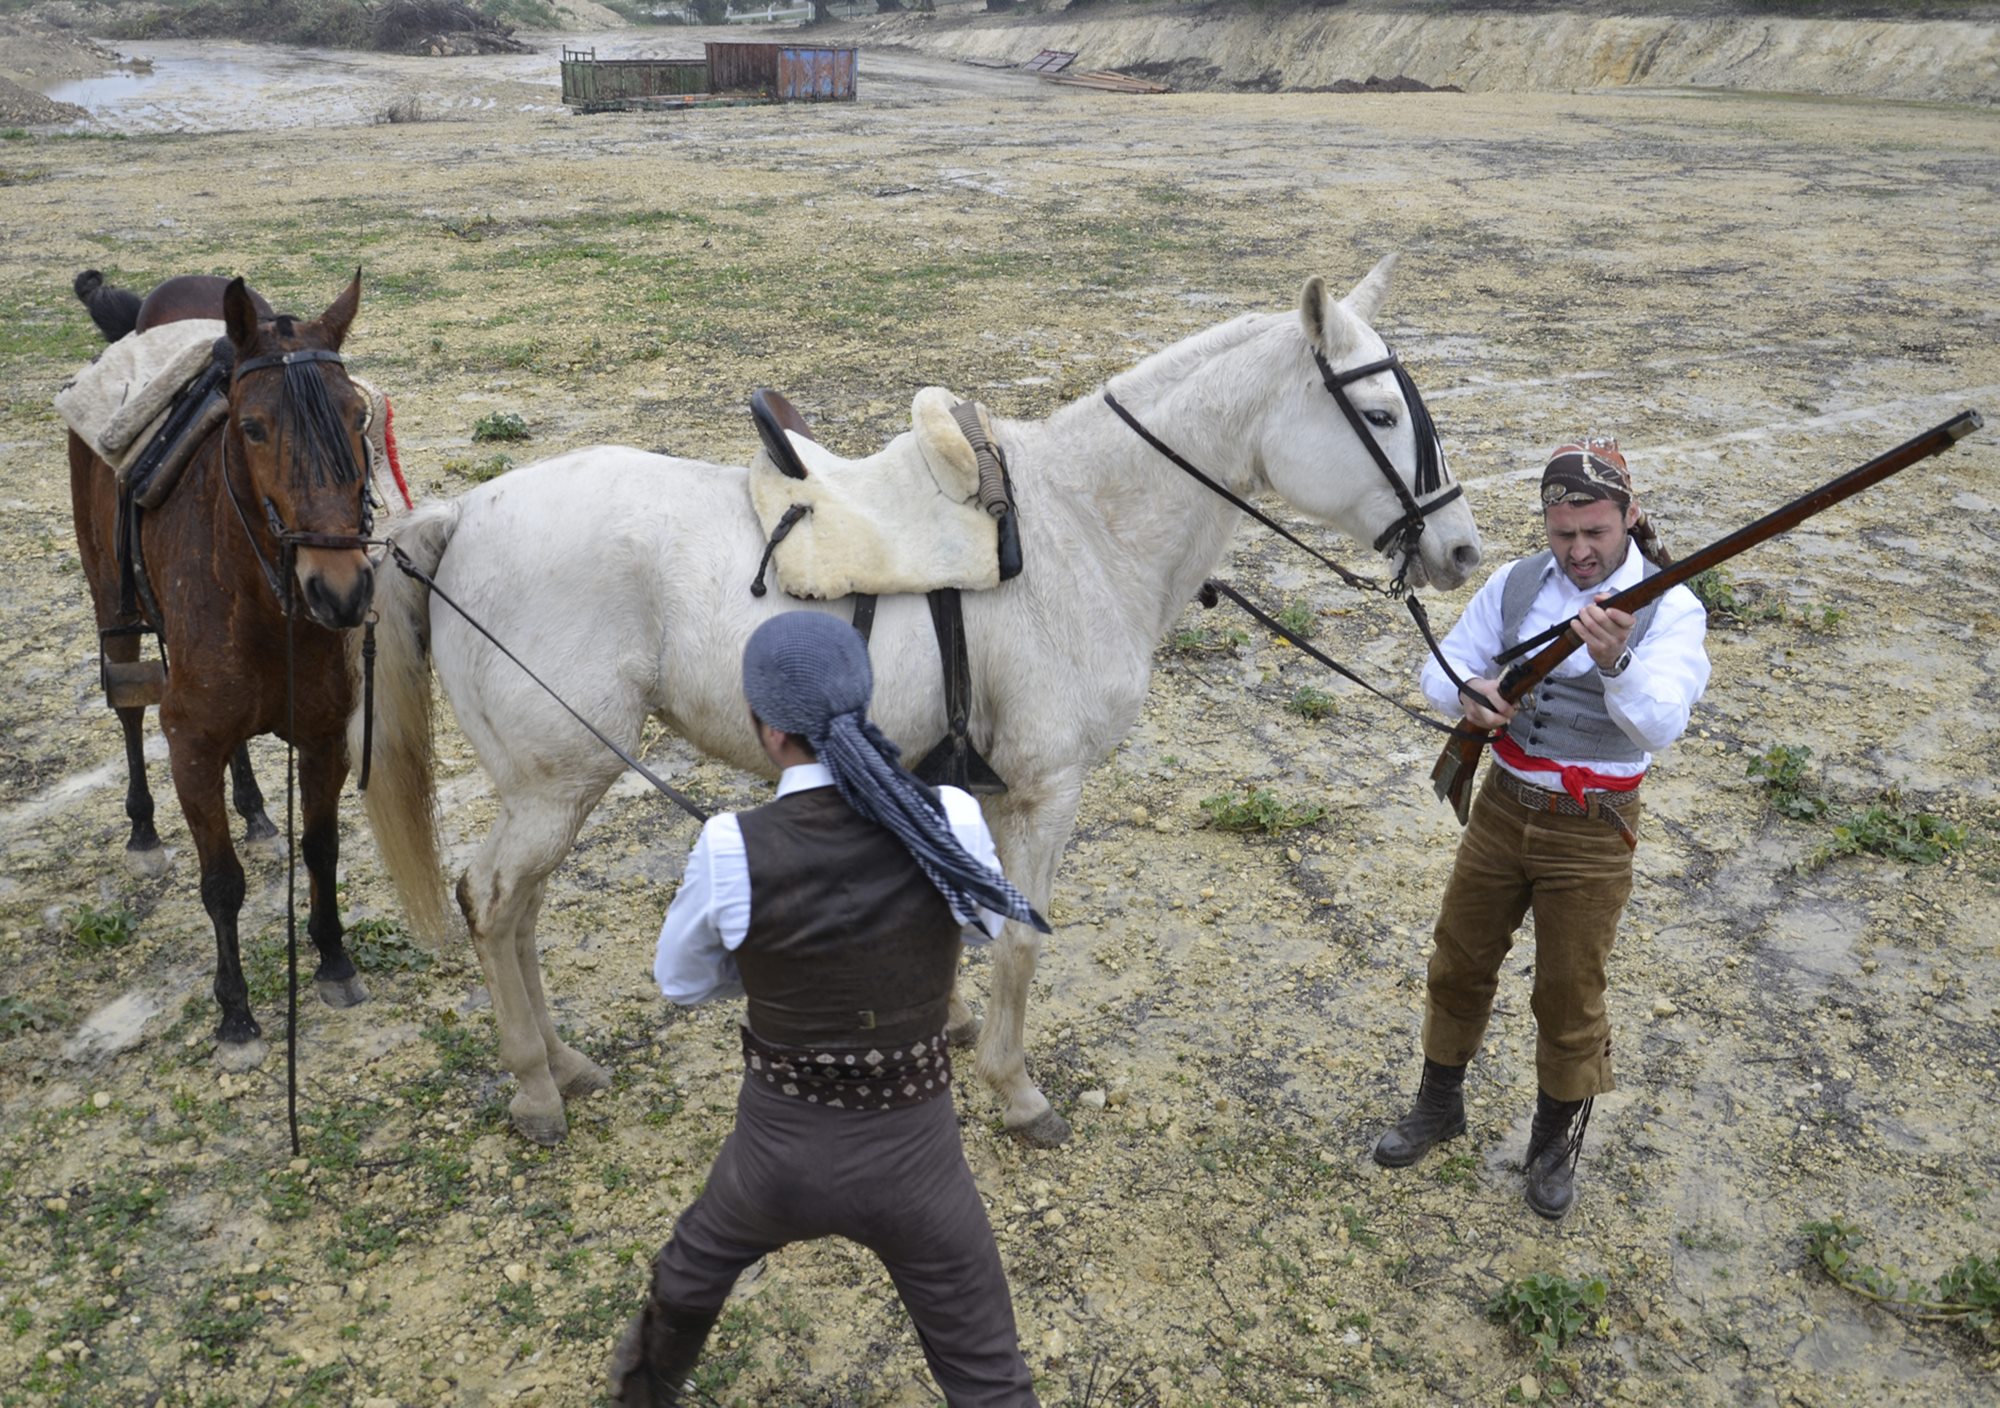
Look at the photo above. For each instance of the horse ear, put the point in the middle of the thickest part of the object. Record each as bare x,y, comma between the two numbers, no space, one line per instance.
239,314
339,314
1372,292
1312,311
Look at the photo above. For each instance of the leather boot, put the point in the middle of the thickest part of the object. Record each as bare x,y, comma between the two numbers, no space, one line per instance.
656,1357
1554,1145
1438,1115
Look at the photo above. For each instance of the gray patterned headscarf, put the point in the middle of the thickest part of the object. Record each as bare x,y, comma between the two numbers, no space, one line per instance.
807,673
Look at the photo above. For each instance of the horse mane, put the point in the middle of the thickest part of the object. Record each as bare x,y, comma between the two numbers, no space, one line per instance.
1171,364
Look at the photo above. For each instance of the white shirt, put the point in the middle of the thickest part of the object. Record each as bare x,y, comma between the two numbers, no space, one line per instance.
710,915
1650,702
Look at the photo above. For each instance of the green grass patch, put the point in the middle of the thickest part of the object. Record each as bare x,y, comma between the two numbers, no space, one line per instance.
1549,1310
1915,838
1259,809
499,425
1786,771
1969,1292
1312,704
381,946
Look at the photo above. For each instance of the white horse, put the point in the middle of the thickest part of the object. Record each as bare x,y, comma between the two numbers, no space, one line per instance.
622,578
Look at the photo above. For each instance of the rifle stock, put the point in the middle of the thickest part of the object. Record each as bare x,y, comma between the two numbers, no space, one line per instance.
1457,764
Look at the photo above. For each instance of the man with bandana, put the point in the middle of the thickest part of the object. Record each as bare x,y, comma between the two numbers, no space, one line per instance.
838,910
1554,827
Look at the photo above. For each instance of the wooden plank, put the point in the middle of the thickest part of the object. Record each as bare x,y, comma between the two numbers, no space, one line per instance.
1050,61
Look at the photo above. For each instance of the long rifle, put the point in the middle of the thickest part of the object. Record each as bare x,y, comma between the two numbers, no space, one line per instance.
1452,777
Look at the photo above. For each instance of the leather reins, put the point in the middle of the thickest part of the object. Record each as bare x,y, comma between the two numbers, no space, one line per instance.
1431,475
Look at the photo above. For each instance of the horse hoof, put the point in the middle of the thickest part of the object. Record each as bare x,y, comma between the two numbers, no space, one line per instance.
341,992
965,1036
239,1056
271,845
1048,1130
147,864
545,1130
588,1079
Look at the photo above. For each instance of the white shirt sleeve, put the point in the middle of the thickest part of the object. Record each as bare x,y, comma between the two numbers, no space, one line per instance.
1652,700
968,823
1470,645
708,920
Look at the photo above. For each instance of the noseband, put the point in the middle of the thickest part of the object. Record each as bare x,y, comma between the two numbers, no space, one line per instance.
312,424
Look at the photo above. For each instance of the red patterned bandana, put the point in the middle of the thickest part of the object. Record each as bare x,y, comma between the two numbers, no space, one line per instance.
1584,472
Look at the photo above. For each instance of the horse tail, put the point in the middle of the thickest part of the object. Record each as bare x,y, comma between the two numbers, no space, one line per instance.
401,800
114,310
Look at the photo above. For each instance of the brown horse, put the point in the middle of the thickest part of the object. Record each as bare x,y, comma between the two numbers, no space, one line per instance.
266,520
118,311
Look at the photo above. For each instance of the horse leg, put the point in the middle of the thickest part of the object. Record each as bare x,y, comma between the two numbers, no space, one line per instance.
322,770
576,1075
249,802
1030,841
197,766
499,895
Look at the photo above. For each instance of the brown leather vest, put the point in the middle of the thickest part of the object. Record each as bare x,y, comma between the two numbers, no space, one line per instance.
849,944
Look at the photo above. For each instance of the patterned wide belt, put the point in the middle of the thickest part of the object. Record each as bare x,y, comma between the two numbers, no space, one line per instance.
872,1078
1609,807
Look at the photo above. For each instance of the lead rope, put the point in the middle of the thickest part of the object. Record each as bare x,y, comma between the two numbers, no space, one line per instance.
291,868
679,798
1270,624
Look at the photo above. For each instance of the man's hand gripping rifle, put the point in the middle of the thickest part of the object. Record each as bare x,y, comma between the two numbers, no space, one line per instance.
1452,776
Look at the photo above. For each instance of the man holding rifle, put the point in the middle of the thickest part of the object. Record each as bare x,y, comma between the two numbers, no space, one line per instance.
1554,828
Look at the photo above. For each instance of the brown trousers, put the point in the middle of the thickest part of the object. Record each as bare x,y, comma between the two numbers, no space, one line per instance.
1575,872
895,1181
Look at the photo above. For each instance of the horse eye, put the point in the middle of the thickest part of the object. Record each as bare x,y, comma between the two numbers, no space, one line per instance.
253,431
1382,420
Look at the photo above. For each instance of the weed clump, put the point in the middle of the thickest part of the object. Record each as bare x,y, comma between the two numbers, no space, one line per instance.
1259,809
500,425
94,930
1549,1310
1969,1292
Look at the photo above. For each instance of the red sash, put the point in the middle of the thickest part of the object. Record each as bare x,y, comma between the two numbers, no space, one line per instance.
1574,779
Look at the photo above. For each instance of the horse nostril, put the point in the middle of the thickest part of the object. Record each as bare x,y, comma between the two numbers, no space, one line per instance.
1465,556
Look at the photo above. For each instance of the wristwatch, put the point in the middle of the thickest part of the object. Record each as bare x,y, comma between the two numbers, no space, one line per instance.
1616,667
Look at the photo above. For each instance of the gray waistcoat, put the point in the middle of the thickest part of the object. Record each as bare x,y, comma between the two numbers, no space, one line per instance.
1569,719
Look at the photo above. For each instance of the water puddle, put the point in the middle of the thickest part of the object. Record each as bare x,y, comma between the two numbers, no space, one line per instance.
218,86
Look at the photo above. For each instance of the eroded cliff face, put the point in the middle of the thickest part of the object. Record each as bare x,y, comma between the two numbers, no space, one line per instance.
1934,60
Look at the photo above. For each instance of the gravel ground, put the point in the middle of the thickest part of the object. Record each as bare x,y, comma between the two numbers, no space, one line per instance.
1753,293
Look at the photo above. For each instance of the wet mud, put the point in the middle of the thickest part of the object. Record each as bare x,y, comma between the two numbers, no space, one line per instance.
1753,293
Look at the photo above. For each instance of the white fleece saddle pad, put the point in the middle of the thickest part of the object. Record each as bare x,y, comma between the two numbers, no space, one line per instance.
117,402
905,520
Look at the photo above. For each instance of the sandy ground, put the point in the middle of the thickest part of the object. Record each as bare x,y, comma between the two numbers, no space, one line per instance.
1754,293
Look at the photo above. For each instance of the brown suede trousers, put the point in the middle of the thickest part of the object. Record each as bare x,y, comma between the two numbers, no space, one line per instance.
1575,873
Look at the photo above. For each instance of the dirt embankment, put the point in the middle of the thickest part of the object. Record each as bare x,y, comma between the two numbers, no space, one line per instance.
35,52
1486,50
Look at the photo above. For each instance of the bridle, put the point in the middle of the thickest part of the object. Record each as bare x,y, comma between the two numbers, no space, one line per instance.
1431,472
1407,531
308,407
1431,475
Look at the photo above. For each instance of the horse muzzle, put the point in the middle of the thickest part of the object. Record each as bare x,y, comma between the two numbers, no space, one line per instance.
337,593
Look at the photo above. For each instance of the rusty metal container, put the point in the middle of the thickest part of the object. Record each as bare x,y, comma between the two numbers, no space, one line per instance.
815,75
788,73
590,82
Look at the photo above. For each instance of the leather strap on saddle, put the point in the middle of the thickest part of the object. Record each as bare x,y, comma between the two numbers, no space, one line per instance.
996,490
955,762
